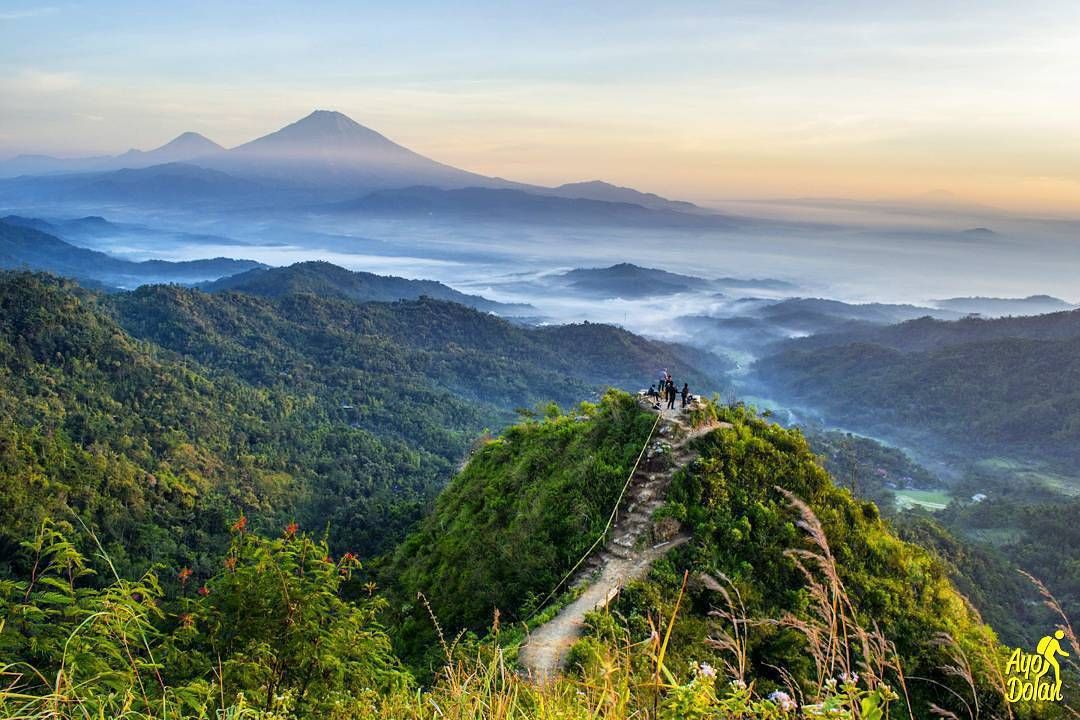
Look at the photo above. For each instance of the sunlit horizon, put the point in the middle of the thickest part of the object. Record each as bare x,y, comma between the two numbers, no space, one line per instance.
688,100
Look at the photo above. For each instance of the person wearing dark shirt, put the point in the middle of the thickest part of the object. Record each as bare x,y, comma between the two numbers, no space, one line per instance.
654,396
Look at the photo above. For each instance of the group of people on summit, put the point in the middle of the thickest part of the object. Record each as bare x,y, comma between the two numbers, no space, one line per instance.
666,391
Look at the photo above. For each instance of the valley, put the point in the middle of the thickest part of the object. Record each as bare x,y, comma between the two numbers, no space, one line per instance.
411,391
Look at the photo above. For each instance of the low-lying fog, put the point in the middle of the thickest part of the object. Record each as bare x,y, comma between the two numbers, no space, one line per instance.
896,258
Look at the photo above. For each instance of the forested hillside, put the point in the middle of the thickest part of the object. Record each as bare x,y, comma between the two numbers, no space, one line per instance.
377,357
928,333
159,455
998,399
490,545
1010,395
743,501
327,280
190,481
157,415
790,595
517,518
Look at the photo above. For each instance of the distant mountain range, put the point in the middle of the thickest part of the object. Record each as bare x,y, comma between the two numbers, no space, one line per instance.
760,324
168,185
23,247
999,307
32,244
514,205
184,147
326,280
998,387
628,281
606,192
89,225
928,334
97,233
326,162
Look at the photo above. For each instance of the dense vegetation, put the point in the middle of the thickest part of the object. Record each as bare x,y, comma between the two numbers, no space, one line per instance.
153,415
326,280
288,628
1000,398
738,501
157,454
186,480
269,632
1037,536
986,573
1016,396
483,549
988,577
394,363
869,469
518,517
271,637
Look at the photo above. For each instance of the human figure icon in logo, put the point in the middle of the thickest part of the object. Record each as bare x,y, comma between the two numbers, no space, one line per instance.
1050,647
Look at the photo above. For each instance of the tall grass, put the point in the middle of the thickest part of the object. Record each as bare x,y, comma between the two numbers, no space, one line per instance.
615,678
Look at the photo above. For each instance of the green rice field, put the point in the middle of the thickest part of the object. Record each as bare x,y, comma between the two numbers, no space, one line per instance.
929,499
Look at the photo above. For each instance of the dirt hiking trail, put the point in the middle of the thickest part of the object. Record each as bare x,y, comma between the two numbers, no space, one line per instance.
634,543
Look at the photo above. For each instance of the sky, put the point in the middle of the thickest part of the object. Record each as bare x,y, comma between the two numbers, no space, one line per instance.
703,101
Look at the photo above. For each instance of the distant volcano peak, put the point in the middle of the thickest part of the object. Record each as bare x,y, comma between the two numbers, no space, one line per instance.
191,140
323,128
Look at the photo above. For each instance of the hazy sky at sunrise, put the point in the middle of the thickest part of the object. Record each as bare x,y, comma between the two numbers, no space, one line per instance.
698,100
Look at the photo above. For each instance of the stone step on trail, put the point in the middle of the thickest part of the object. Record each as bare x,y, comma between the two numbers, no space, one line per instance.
627,554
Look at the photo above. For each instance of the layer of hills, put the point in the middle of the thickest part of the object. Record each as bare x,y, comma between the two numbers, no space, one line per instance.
517,205
326,163
215,435
1001,386
27,244
629,281
197,446
757,324
317,407
993,403
998,307
24,247
97,233
326,280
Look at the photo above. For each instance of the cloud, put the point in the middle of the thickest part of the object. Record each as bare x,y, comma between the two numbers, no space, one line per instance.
27,13
40,82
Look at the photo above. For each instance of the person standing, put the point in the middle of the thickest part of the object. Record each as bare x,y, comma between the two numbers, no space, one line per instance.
670,394
685,393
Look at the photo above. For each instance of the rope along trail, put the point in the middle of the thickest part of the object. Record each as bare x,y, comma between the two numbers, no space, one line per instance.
607,527
622,559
